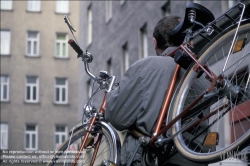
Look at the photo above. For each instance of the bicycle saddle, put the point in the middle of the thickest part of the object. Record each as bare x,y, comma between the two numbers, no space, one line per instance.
195,13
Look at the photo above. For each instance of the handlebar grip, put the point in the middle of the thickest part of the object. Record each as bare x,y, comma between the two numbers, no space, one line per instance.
75,47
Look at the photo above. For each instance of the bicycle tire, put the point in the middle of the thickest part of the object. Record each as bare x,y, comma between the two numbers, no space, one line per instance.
189,144
105,151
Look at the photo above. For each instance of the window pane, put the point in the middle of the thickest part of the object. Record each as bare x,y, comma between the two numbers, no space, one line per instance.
5,91
61,37
31,80
35,47
32,35
6,5
63,95
60,128
62,6
4,79
28,92
34,5
60,81
33,141
57,48
57,94
27,141
4,139
63,138
57,139
64,50
29,47
34,93
5,42
31,128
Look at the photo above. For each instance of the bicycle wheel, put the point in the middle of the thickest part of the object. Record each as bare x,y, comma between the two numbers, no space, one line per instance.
107,153
231,120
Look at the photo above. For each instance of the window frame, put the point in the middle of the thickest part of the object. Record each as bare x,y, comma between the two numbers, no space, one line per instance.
8,42
166,10
109,66
124,59
108,10
2,86
143,41
60,92
30,5
61,42
60,133
59,10
30,133
32,85
32,40
9,5
89,25
1,135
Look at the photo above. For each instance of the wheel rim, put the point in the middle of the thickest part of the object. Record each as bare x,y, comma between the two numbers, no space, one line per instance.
236,74
85,159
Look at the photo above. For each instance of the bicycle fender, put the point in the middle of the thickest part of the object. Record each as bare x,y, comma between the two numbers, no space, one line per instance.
115,140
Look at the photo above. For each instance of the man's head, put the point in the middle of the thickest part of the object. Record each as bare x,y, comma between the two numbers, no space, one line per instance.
162,31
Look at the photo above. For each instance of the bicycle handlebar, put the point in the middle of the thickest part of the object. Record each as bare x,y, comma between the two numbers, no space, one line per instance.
87,58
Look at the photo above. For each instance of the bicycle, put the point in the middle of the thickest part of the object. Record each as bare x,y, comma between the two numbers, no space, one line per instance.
213,96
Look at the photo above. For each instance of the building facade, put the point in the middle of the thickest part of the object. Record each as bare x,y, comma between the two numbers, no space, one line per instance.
118,33
39,74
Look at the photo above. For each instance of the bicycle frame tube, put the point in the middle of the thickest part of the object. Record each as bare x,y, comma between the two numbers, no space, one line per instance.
101,111
210,75
166,101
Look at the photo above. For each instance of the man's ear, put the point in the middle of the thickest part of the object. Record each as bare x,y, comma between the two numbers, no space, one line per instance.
155,43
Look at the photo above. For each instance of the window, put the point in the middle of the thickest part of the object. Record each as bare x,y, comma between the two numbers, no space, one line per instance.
125,59
89,26
195,1
231,3
143,42
4,136
32,48
108,5
61,46
5,42
89,89
6,5
62,6
61,91
34,5
166,9
109,66
122,2
4,88
31,138
31,89
60,135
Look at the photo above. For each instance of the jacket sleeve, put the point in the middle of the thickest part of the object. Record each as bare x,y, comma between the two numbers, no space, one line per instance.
122,103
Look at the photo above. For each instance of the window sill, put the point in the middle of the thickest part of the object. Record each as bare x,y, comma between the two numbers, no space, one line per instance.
32,56
108,21
32,103
30,11
5,101
5,55
61,104
62,13
63,58
7,10
89,45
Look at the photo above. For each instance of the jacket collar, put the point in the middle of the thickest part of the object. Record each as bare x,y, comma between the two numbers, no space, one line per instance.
167,51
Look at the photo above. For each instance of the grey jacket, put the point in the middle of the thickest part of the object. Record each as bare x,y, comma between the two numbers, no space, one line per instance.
140,94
